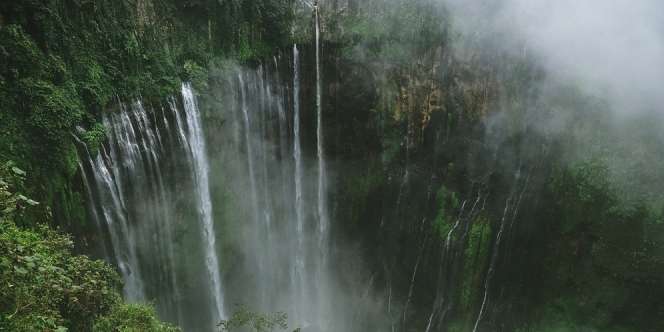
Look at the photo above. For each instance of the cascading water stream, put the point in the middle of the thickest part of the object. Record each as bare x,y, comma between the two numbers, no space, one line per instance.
255,205
143,209
323,223
161,224
284,146
297,158
114,212
265,107
198,151
248,146
285,248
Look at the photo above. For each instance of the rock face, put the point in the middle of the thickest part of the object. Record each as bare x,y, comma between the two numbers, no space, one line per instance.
386,173
448,176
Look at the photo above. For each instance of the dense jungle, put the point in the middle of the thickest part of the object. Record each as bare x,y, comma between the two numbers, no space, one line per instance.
332,165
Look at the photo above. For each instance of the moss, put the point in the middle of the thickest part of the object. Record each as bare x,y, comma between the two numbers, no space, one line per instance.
476,257
600,255
359,188
95,86
448,203
94,137
196,74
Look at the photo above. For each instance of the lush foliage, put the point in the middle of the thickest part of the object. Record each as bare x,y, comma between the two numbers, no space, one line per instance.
394,34
448,205
132,318
417,108
606,256
63,62
12,203
245,318
44,286
455,112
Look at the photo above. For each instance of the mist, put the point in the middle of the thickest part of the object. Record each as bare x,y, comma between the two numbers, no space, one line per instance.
264,180
612,48
339,165
602,61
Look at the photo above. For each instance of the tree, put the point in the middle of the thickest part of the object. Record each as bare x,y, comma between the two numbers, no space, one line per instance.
44,287
245,318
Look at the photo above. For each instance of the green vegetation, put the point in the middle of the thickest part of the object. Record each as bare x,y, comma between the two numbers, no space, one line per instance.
448,205
44,286
584,251
410,96
63,63
12,203
394,34
605,259
245,318
475,258
131,318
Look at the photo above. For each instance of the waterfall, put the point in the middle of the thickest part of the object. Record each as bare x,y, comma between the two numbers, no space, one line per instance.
151,191
248,147
322,199
112,213
201,168
284,245
143,209
492,264
323,223
298,277
283,131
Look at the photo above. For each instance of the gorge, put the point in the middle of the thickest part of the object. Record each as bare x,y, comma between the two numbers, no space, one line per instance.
335,165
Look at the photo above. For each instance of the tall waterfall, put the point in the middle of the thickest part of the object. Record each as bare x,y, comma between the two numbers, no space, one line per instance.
298,275
323,223
322,200
201,170
277,184
170,200
148,193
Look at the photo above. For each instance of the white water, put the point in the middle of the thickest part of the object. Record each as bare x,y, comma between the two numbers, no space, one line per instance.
282,263
201,168
298,276
492,265
322,275
248,146
322,176
143,207
279,185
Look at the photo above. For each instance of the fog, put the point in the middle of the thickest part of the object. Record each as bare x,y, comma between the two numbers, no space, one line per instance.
613,48
265,176
609,53
601,91
271,254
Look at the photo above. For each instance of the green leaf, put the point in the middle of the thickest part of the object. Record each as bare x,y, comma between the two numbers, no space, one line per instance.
4,262
20,270
18,171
